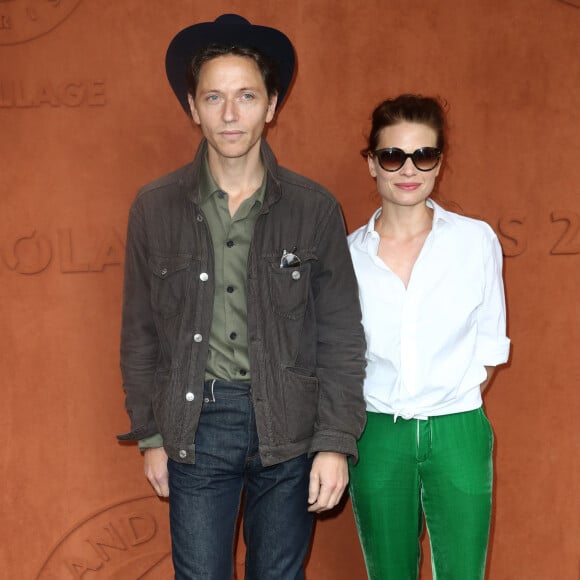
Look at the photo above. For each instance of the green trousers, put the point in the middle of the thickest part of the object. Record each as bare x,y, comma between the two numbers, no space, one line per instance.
440,467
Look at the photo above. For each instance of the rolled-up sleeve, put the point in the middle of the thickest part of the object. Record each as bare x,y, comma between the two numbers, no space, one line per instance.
492,346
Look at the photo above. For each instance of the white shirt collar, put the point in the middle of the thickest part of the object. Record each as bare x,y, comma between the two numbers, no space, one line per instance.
440,216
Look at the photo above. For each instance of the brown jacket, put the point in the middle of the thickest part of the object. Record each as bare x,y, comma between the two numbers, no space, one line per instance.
306,341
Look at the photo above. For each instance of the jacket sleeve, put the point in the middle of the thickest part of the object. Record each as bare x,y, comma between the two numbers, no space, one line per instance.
340,344
139,339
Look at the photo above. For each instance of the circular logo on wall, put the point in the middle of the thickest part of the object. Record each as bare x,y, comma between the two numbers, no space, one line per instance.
125,541
23,20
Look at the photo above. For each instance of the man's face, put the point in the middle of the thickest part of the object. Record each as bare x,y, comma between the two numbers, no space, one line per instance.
231,105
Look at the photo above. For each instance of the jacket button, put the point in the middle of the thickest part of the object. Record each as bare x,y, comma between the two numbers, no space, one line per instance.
183,454
199,217
296,275
233,335
164,272
230,289
204,277
197,337
229,243
189,397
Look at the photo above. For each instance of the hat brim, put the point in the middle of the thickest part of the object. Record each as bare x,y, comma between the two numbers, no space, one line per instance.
228,30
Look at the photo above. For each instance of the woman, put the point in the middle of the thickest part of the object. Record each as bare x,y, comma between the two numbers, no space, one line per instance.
434,314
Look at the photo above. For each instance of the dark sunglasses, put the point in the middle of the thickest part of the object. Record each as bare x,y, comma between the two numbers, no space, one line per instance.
393,158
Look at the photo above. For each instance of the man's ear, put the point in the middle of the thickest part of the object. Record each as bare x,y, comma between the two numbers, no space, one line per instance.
272,107
193,109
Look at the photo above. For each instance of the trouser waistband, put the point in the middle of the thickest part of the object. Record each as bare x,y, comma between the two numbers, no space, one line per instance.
212,387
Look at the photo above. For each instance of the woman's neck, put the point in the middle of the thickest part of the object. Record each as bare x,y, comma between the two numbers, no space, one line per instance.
402,222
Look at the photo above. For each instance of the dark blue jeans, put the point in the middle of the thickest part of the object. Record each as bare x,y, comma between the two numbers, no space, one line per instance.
205,497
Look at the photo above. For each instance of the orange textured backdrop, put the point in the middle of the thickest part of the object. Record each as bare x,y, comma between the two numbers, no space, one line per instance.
86,117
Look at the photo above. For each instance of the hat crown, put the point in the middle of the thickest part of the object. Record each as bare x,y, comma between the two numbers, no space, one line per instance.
232,20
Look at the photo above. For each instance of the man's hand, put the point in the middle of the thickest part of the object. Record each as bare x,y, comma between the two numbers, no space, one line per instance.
155,464
328,479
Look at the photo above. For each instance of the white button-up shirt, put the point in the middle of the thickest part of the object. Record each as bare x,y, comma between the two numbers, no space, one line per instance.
428,344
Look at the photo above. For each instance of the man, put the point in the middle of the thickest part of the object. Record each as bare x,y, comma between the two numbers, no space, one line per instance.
242,350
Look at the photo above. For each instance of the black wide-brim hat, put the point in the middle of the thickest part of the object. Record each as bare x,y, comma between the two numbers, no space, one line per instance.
227,30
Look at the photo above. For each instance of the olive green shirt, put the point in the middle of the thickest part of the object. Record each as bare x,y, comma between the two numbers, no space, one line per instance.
228,357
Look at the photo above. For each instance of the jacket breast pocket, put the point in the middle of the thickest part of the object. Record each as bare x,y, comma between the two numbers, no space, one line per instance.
169,279
289,289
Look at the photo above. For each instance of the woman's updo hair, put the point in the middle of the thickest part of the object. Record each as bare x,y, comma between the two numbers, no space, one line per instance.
412,109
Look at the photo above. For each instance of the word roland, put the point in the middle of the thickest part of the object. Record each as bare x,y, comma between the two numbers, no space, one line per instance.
25,95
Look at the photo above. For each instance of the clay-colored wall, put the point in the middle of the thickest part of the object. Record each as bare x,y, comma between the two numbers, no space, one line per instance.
86,117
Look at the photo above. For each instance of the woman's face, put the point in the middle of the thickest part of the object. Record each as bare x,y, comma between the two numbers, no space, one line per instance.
407,186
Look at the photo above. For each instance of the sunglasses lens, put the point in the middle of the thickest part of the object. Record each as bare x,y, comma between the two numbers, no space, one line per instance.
426,158
391,159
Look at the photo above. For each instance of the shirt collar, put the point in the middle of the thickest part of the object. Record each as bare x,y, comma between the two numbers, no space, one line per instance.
208,186
440,217
370,227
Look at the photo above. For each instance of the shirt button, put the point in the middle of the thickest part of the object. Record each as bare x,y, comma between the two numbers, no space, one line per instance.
183,454
230,289
243,372
233,335
229,243
296,275
204,277
197,337
189,397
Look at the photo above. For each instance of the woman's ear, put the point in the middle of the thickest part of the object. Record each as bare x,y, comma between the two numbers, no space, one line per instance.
439,165
372,168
